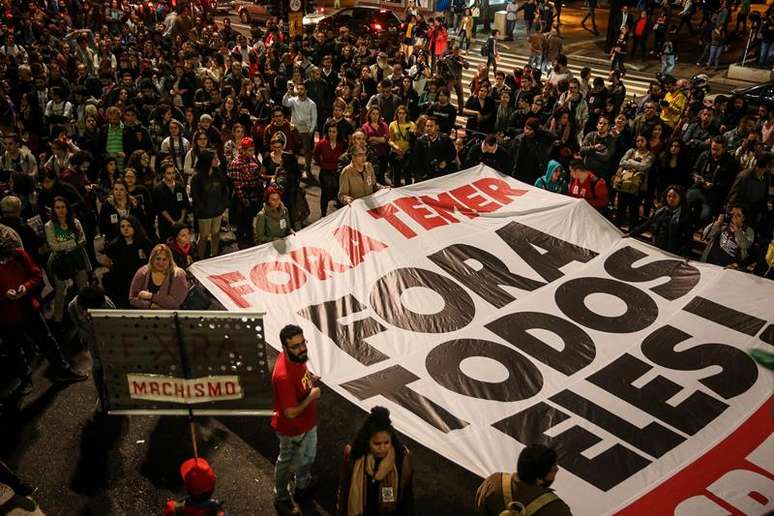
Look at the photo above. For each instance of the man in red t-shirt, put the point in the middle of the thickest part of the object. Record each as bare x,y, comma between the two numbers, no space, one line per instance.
586,185
295,395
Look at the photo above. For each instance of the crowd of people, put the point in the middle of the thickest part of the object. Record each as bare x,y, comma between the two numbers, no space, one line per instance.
133,134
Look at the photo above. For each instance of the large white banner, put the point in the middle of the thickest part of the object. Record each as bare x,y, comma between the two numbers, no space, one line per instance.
488,314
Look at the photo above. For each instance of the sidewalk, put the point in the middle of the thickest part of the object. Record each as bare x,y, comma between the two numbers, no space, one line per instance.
581,45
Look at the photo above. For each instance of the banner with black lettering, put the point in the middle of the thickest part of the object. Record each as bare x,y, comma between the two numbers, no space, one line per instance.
488,314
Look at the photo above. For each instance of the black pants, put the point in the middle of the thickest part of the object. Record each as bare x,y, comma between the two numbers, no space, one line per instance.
20,339
628,209
329,190
380,168
400,170
245,217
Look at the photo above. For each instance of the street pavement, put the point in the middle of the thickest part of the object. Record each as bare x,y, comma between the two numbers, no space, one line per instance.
84,464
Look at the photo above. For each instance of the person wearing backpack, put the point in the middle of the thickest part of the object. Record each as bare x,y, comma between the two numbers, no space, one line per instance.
526,492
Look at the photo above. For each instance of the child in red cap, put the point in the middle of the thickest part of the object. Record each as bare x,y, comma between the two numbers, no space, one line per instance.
199,480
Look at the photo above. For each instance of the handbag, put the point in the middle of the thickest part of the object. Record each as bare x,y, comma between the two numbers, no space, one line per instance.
627,181
197,298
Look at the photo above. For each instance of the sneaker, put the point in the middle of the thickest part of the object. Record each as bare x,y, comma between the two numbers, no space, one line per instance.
70,375
287,507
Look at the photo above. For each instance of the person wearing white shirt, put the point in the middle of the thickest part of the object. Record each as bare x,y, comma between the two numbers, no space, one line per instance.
303,115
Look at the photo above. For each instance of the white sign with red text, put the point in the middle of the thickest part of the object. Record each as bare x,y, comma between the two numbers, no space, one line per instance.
170,389
488,314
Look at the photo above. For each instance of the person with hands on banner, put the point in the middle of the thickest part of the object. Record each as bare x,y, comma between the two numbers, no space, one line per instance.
199,480
587,185
159,285
295,394
435,152
670,225
377,476
526,492
273,221
358,179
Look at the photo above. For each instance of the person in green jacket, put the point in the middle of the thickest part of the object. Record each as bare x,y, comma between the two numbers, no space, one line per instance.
554,179
273,221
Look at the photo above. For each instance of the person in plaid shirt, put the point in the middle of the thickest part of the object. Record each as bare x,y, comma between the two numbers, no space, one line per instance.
244,172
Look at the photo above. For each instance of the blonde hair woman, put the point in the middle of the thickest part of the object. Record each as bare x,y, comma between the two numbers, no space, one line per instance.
159,285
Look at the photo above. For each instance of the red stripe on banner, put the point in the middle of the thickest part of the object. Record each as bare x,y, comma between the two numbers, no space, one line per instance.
693,480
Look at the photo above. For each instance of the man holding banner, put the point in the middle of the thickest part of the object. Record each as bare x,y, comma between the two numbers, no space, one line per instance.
295,397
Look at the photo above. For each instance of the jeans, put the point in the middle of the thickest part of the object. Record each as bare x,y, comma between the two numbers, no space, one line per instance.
209,229
296,456
509,26
714,55
763,56
699,204
667,63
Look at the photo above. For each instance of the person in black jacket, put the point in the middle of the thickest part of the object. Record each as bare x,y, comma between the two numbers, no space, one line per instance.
443,111
210,194
11,208
713,174
126,253
435,152
490,154
170,200
670,225
530,152
117,205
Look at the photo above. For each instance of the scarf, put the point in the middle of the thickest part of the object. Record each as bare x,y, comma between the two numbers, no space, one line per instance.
386,475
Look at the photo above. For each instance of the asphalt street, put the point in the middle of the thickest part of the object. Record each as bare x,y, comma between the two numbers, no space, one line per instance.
84,464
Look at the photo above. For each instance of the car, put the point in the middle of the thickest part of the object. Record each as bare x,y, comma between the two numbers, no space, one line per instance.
250,11
223,6
758,94
382,24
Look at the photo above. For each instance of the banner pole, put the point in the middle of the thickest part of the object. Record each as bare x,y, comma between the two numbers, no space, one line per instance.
187,374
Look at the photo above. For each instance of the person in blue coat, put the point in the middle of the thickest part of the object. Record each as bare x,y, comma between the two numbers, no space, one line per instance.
554,180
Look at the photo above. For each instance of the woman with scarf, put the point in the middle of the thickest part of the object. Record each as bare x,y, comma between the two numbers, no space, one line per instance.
554,180
670,224
377,476
179,242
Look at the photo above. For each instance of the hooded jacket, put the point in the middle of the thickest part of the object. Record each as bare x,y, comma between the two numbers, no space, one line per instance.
545,182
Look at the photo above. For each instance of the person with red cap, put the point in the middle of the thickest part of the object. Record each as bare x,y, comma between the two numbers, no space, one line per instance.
245,175
199,480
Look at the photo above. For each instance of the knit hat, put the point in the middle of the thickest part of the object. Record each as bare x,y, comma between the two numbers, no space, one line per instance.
246,143
198,477
533,123
9,240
